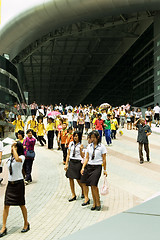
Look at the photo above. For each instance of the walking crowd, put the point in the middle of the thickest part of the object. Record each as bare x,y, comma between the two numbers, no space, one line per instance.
83,159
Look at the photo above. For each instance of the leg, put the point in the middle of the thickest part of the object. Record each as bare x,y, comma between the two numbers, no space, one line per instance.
28,170
85,190
5,215
106,135
96,194
141,152
40,140
71,181
93,195
80,184
146,148
24,213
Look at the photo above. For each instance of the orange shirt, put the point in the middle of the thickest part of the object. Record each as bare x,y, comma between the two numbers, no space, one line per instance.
69,139
63,136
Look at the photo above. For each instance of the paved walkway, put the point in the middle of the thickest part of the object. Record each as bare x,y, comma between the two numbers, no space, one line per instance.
51,216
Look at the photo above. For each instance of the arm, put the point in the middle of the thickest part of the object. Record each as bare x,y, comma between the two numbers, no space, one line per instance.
85,163
136,122
81,151
104,164
15,155
67,160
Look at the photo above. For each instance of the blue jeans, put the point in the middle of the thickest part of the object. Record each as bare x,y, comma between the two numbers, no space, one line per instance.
108,136
100,133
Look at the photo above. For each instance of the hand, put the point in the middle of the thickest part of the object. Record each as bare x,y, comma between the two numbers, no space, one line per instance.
81,147
66,167
105,173
82,171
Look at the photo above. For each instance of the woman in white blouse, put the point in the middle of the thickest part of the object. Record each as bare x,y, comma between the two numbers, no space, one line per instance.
73,163
92,167
15,190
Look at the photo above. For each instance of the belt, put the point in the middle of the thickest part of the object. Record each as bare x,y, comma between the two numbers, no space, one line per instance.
15,182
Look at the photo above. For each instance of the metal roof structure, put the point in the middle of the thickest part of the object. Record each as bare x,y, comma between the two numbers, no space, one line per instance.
64,48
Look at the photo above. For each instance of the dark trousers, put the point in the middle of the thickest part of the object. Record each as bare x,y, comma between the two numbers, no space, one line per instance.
64,150
16,134
108,136
100,133
35,134
41,140
146,148
81,127
113,134
50,136
27,166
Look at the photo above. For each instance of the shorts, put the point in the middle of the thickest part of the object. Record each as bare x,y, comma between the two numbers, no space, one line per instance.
156,116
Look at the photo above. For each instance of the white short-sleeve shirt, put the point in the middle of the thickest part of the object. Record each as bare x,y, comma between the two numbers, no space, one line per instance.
77,151
99,151
16,169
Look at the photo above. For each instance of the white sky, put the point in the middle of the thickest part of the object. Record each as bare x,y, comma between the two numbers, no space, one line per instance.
11,8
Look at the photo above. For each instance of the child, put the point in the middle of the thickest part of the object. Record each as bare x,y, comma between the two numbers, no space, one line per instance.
41,131
99,125
62,136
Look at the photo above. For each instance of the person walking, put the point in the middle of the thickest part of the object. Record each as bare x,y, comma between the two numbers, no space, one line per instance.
148,116
19,125
41,131
143,132
92,167
122,117
15,191
62,137
50,132
99,125
20,136
29,144
107,131
80,122
156,111
73,163
32,124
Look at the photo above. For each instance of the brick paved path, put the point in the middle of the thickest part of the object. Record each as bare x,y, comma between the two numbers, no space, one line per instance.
51,216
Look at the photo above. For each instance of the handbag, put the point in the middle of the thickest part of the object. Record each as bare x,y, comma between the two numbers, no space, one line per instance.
30,154
105,187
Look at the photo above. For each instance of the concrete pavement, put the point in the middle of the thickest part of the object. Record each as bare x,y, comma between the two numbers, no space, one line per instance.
51,216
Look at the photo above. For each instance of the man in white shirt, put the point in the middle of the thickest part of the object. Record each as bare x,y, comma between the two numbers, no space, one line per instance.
156,110
1,149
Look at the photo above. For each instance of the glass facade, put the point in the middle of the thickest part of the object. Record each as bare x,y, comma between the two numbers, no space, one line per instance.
132,78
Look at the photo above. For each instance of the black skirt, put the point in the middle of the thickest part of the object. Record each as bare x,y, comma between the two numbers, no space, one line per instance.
15,192
91,175
74,169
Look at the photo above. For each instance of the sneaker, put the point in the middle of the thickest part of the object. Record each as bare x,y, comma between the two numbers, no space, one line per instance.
1,179
141,161
148,160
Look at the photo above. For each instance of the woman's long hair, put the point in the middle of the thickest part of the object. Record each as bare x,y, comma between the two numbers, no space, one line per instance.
20,150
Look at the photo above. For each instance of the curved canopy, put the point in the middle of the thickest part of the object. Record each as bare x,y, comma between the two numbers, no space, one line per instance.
63,48
51,14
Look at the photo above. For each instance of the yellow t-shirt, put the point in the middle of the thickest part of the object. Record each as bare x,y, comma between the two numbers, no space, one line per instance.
19,125
114,123
50,126
17,140
40,129
33,125
94,120
122,113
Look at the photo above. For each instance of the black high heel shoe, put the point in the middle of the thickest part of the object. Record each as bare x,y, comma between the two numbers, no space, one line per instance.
26,230
87,203
72,199
3,233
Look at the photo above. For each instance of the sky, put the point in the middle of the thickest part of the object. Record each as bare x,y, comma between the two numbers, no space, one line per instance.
11,8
